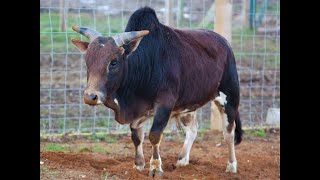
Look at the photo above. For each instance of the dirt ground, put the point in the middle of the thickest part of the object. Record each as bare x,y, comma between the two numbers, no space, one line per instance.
258,158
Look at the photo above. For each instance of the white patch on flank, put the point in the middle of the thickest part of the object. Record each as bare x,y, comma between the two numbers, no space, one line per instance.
116,101
221,98
102,45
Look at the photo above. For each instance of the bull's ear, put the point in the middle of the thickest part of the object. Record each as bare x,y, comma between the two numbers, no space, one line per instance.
81,45
130,39
134,44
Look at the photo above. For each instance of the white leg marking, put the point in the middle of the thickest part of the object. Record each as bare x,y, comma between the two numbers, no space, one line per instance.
229,138
116,101
191,134
139,150
156,164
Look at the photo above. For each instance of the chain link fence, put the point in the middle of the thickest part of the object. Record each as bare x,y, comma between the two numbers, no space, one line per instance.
255,41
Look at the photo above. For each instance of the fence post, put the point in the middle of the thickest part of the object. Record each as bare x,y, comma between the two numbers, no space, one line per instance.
62,16
252,14
245,13
222,25
169,13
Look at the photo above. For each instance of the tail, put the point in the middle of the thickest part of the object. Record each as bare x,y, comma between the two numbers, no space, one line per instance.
238,131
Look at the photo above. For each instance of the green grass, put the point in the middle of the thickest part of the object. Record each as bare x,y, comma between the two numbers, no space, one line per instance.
102,137
56,148
101,149
256,133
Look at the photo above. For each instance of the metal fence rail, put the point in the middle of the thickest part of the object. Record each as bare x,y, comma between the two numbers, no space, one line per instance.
63,70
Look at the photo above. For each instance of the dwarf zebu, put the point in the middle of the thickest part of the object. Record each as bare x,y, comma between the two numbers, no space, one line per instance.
155,70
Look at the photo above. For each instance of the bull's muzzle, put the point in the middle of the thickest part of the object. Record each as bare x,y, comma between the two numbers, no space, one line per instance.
92,98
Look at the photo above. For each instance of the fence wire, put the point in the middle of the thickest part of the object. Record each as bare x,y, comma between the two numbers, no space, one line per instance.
63,70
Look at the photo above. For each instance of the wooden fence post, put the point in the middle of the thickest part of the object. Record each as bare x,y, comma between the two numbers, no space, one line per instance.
169,13
222,25
62,16
245,13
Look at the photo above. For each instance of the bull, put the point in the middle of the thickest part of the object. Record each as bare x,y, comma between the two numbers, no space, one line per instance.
155,70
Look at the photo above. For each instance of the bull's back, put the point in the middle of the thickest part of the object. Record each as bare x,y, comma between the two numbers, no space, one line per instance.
203,57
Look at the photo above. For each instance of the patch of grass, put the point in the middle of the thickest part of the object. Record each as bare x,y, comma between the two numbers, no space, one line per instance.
111,139
101,149
96,136
256,133
83,149
102,137
56,147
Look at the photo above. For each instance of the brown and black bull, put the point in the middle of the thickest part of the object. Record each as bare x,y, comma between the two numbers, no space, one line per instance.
155,70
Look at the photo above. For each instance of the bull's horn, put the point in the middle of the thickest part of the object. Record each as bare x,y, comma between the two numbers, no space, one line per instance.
89,33
126,37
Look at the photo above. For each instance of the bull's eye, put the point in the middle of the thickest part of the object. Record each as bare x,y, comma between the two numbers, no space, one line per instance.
113,63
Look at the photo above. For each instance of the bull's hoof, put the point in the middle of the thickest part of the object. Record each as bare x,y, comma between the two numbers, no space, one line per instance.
156,173
139,167
232,167
182,162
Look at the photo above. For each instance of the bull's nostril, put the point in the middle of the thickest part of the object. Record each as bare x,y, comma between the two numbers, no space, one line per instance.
91,97
94,97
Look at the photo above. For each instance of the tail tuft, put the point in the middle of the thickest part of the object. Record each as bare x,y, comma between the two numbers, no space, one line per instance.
238,131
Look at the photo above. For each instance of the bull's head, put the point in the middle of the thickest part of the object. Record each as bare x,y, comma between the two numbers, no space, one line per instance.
104,58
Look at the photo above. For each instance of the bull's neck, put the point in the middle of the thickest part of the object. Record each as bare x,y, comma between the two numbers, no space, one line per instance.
136,86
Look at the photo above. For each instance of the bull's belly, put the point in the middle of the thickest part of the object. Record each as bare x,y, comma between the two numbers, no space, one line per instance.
179,110
150,113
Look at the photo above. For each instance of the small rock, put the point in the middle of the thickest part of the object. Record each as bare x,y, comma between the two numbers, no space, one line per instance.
82,176
41,162
125,172
218,145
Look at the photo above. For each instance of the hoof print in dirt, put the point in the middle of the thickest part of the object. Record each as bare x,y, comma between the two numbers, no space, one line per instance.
156,174
171,167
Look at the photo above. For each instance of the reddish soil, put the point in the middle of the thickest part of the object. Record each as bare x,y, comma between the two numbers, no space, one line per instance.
258,158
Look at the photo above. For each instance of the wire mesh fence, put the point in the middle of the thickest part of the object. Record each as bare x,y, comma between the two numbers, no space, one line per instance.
63,70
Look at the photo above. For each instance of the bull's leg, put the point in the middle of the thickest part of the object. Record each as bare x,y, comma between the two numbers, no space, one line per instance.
190,126
160,121
137,136
228,114
228,133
